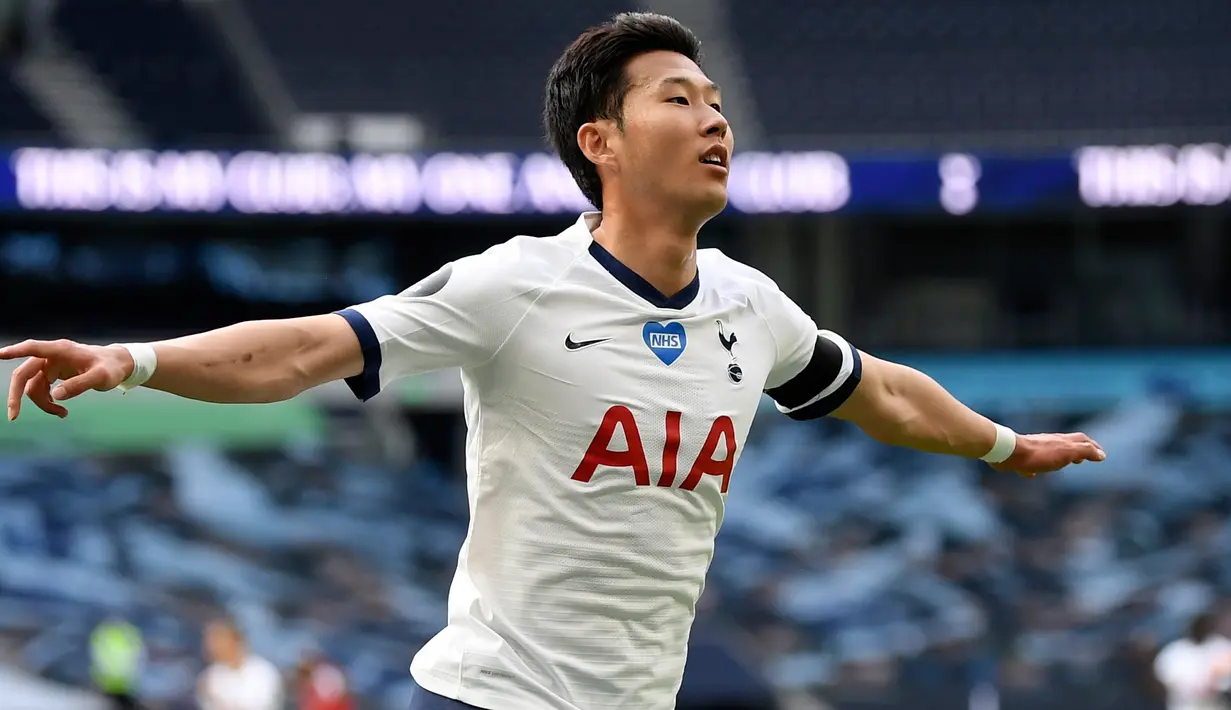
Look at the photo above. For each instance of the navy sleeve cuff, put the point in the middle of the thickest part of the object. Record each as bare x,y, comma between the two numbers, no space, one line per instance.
366,384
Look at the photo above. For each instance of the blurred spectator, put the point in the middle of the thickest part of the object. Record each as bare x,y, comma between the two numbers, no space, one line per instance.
1196,670
237,679
322,685
116,652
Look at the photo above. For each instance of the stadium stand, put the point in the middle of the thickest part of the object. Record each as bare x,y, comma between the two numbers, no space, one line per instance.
878,68
1056,72
19,117
464,68
170,69
841,563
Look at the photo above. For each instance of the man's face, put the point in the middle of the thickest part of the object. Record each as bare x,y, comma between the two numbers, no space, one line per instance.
672,125
221,643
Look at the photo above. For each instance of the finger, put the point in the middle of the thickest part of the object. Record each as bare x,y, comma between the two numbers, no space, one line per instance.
33,348
86,381
17,383
1081,438
38,389
1090,451
1086,452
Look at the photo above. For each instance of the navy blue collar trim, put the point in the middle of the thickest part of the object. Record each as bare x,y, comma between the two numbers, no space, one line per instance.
633,282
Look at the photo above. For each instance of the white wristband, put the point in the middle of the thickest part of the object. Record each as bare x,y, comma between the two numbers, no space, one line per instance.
145,361
1006,441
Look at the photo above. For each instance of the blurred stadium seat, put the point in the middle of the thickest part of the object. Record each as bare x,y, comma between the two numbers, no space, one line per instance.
464,68
1008,71
841,562
18,116
175,75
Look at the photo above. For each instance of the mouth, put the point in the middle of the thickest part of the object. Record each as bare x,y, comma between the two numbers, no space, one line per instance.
717,156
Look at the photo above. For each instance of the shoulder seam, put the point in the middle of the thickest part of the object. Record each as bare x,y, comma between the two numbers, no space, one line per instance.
759,282
542,292
756,308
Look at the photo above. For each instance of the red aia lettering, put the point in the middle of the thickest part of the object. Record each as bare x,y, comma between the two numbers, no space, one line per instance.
671,449
705,465
599,453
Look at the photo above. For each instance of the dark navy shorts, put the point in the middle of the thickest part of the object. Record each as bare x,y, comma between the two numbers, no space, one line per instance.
422,699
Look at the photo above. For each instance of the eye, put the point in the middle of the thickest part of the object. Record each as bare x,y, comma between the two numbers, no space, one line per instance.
716,107
681,100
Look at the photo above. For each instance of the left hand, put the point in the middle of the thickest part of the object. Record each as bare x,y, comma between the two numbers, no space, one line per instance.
82,367
1044,453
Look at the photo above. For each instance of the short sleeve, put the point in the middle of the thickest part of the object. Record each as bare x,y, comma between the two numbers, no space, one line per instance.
1182,672
457,317
263,688
815,370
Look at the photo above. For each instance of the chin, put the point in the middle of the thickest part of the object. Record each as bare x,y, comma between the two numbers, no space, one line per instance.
714,202
702,204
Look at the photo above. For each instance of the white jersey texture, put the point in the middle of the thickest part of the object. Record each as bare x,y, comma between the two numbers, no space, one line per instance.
604,420
255,685
1186,669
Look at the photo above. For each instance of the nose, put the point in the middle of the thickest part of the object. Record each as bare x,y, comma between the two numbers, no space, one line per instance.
715,126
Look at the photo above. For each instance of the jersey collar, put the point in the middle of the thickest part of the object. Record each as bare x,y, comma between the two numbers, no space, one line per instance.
633,281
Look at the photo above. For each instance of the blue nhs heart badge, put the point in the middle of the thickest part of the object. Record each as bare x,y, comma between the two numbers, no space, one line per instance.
665,341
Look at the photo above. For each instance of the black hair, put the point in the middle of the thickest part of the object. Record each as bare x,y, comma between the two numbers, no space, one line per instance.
1202,627
588,83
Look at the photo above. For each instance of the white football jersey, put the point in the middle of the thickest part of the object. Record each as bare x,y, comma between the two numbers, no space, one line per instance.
604,422
1195,674
255,685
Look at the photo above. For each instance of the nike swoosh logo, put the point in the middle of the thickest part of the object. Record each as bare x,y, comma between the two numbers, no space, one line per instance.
571,344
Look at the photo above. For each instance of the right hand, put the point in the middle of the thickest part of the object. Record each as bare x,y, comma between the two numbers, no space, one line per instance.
1045,453
81,367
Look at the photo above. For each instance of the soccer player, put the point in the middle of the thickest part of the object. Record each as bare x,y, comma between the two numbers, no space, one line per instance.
611,373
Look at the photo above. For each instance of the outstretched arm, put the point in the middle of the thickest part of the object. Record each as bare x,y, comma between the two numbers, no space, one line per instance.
258,361
898,405
819,373
252,362
459,316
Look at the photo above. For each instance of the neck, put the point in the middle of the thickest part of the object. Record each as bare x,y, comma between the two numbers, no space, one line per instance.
659,250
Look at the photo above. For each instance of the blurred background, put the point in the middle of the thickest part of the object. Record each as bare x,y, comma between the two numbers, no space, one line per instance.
1028,200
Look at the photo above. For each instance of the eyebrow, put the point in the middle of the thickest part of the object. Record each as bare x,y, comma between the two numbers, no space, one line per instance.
713,86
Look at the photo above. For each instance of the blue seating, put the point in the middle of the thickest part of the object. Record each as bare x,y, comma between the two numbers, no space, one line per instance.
168,67
20,121
472,70
879,67
834,551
